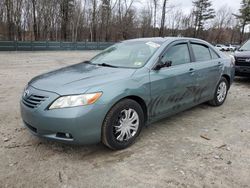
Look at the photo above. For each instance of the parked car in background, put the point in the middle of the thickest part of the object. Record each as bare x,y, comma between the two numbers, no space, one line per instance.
232,48
242,60
131,84
222,47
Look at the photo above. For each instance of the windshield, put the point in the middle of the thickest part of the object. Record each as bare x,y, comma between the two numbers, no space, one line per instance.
126,54
245,46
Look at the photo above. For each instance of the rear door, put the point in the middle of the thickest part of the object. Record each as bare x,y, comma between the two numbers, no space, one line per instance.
208,67
170,86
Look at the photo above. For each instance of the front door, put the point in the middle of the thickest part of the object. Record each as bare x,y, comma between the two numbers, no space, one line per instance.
172,87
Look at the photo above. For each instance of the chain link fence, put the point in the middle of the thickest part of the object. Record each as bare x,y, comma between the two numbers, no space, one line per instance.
51,45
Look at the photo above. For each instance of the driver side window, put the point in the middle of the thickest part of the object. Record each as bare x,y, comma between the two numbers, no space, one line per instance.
178,54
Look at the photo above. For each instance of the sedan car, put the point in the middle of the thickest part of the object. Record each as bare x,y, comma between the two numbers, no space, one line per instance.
222,47
232,48
242,60
134,83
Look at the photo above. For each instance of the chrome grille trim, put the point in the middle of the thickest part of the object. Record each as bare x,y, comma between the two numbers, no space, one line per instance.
240,61
33,101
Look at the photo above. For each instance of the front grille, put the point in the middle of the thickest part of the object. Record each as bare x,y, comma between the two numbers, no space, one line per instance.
33,101
242,61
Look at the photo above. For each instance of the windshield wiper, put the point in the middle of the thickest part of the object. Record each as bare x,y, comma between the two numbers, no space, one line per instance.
107,65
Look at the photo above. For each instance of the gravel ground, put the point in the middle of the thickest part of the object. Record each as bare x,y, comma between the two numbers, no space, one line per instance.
170,153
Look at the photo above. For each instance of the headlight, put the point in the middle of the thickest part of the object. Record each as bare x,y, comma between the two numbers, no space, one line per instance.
75,100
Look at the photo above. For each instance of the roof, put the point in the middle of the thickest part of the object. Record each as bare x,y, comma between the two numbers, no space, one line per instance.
152,39
161,39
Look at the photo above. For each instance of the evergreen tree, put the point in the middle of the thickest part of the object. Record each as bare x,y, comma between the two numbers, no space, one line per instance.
244,16
203,11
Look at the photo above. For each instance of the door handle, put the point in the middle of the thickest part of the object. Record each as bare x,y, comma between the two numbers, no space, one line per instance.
219,64
191,71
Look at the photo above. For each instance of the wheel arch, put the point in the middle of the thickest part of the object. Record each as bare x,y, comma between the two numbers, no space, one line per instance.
137,99
141,102
228,79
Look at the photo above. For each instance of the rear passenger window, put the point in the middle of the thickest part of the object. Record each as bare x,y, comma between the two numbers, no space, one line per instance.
214,55
201,52
178,54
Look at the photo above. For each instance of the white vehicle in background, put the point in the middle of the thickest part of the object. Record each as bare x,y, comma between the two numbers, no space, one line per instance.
222,47
233,47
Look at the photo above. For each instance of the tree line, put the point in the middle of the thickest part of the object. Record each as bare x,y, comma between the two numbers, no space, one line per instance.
115,20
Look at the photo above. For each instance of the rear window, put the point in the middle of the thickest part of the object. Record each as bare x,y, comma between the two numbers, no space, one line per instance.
201,52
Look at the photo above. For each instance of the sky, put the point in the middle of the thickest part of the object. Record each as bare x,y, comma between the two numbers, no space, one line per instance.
186,5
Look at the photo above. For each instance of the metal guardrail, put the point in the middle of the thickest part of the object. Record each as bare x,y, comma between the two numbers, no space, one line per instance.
51,45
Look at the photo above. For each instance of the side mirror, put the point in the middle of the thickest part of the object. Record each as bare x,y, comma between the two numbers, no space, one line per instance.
161,65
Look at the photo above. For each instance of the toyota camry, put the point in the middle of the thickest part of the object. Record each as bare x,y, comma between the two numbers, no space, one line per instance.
131,84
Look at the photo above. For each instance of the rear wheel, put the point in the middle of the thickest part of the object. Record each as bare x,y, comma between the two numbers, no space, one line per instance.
220,94
122,124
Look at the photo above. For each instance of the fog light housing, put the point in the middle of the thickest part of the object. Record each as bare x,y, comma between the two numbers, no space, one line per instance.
64,135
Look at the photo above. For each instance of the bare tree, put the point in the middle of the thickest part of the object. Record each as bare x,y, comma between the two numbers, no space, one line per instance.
34,19
9,13
222,21
177,22
146,22
115,20
163,17
155,4
94,21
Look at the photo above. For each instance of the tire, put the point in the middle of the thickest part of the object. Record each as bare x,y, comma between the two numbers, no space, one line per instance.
223,86
124,115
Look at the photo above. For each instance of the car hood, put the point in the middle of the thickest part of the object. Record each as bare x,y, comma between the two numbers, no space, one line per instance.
242,54
78,78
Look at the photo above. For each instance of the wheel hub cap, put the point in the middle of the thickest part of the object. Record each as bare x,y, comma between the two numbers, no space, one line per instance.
128,124
222,92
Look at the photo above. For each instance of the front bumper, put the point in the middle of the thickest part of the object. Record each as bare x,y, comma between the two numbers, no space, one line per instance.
242,70
83,123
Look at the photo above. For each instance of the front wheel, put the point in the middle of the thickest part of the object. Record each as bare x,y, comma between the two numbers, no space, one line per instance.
122,124
220,94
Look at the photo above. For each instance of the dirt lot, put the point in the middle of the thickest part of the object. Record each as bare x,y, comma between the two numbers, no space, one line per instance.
169,153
